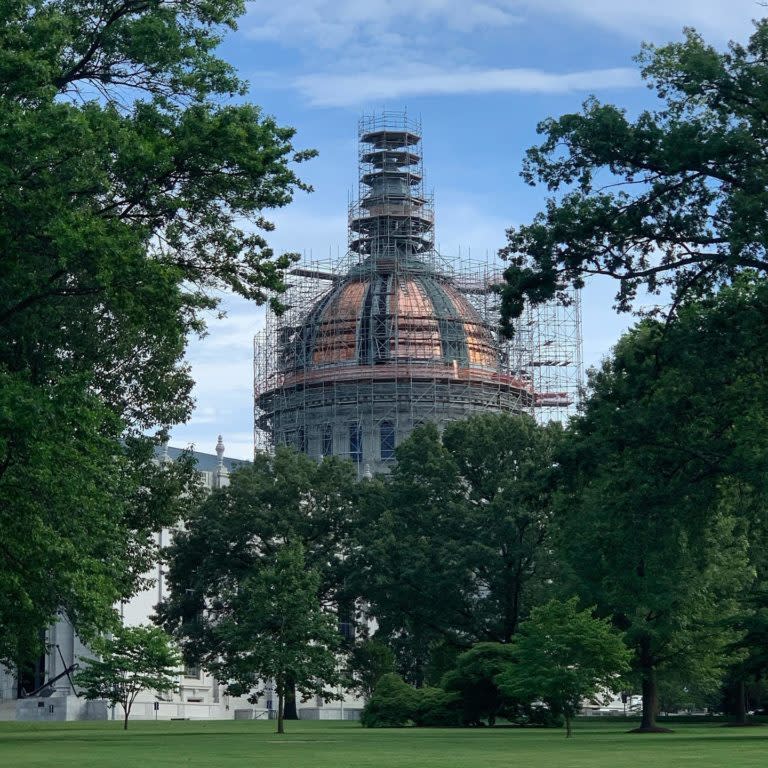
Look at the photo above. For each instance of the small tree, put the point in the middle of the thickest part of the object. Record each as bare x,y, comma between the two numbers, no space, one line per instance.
562,656
278,630
134,659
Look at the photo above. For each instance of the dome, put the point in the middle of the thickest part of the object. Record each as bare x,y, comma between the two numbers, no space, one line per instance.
380,315
389,344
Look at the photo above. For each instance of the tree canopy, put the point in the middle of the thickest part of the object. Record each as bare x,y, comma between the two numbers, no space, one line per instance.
672,199
453,547
369,660
134,181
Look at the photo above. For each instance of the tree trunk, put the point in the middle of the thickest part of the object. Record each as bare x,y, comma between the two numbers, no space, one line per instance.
741,703
290,712
280,705
650,699
125,719
567,726
650,692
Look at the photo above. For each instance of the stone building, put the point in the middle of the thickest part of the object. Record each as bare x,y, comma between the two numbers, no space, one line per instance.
392,336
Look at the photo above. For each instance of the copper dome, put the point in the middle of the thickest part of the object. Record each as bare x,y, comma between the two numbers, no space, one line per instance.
401,314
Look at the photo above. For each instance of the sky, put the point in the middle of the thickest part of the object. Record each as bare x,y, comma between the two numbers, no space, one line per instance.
480,76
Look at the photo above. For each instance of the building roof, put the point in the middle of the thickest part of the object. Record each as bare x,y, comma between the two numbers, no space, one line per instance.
392,312
206,462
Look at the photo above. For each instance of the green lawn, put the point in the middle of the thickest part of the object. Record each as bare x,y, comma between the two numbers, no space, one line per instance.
347,745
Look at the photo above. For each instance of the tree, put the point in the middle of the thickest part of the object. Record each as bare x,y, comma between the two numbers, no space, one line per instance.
652,522
134,188
474,679
750,650
282,496
129,174
674,199
454,546
276,629
749,622
133,660
239,530
563,656
506,466
398,563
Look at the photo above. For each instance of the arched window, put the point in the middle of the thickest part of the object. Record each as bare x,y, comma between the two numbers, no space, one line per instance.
356,442
328,440
387,440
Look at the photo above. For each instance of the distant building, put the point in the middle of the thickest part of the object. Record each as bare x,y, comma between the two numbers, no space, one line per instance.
393,336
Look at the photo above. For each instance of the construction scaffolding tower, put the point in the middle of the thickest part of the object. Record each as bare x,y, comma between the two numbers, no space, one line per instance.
394,335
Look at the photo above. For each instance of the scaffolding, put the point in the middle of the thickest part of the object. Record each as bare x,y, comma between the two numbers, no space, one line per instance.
393,334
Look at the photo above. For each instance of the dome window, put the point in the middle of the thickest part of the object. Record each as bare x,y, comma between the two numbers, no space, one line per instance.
387,440
356,442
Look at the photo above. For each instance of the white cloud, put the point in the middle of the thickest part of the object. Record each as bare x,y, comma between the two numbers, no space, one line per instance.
387,49
393,24
718,20
347,90
333,23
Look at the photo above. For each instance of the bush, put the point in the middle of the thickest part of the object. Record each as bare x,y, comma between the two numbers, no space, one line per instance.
436,707
395,703
392,705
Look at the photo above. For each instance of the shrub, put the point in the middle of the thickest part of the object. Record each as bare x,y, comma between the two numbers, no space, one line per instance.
393,703
435,707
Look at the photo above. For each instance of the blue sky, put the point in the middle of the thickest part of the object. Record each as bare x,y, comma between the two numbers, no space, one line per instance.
480,75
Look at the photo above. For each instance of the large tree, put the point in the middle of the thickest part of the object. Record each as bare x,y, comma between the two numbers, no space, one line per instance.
454,546
79,508
133,188
238,531
652,520
275,628
674,198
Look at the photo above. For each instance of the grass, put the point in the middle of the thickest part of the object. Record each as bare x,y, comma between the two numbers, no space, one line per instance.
221,744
